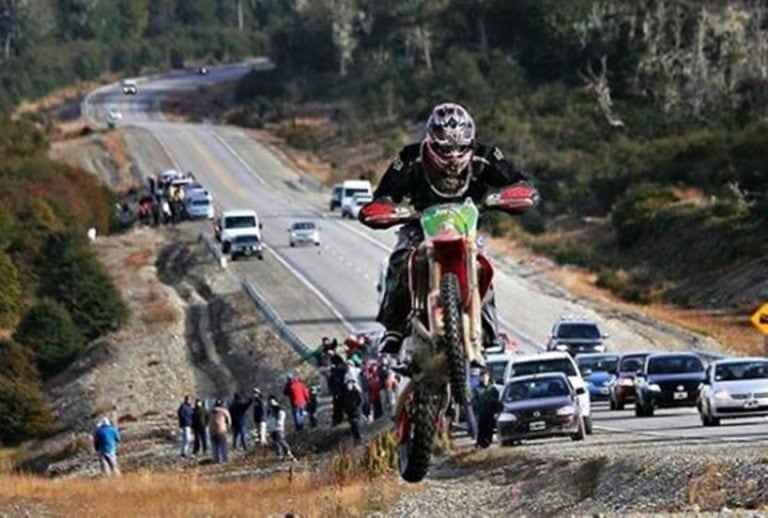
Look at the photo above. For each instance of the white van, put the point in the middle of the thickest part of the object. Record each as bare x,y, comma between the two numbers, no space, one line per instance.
349,189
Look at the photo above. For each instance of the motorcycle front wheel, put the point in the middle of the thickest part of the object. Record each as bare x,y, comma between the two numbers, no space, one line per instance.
416,434
453,338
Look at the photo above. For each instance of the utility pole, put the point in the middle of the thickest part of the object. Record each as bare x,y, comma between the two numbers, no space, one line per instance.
240,19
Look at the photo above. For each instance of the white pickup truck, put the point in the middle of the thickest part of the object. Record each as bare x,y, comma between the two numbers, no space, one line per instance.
240,233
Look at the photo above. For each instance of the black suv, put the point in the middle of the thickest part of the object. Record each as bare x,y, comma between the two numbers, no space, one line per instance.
668,380
576,335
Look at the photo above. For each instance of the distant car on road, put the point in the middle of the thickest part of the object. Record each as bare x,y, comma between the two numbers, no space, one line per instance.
113,117
538,406
303,232
199,206
233,224
349,190
129,87
336,196
623,385
736,387
203,71
598,370
529,364
668,380
357,203
576,335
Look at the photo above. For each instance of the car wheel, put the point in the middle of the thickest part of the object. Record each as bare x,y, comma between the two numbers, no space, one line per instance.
640,410
611,404
649,411
588,425
293,245
317,243
619,404
225,247
232,257
581,432
261,257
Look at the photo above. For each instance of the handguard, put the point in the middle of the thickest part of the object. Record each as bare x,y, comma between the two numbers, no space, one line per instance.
513,199
379,214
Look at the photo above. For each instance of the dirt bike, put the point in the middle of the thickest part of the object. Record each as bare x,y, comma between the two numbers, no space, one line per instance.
448,279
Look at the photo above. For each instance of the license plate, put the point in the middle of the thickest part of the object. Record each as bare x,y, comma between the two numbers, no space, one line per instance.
537,425
680,395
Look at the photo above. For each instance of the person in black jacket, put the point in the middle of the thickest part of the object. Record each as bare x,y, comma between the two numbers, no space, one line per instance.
200,427
352,402
238,411
336,387
184,414
260,416
447,166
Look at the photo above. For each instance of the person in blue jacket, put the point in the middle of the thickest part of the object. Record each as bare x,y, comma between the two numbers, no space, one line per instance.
105,441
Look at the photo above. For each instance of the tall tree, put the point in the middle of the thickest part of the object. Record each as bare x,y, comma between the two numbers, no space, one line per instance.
134,17
161,16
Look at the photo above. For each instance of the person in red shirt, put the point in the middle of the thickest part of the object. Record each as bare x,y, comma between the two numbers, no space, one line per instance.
298,395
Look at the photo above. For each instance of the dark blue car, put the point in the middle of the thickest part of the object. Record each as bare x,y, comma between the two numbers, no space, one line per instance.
668,380
598,371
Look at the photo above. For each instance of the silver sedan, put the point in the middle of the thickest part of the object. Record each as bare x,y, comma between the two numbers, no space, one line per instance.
736,387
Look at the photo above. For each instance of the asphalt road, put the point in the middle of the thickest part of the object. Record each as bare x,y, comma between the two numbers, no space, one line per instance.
331,289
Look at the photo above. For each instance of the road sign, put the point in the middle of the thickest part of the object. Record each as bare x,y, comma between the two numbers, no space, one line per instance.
760,319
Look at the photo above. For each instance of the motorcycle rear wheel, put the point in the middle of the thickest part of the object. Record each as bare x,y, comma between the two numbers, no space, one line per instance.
415,447
453,338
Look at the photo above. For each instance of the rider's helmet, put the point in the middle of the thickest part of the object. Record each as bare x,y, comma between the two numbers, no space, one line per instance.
448,147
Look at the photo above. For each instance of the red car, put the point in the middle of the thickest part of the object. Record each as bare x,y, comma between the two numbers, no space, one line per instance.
623,385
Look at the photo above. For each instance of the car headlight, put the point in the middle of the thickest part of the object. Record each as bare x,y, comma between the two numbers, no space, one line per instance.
653,387
507,418
722,394
566,410
561,347
627,382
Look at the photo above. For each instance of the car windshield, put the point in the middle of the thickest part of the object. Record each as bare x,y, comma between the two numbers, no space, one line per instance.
578,331
564,365
352,192
246,239
748,370
303,226
598,363
632,363
497,369
201,202
240,222
674,365
536,389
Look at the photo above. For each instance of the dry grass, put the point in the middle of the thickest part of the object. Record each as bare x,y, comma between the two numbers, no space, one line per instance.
139,259
186,494
114,143
157,309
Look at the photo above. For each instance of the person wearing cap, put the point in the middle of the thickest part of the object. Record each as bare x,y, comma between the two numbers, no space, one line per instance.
260,416
105,441
276,427
352,401
312,405
220,423
200,427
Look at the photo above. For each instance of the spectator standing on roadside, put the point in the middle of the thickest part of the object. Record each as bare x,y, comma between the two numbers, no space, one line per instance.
219,424
298,395
374,391
260,416
486,404
105,441
238,410
200,427
312,406
336,387
352,401
184,414
276,427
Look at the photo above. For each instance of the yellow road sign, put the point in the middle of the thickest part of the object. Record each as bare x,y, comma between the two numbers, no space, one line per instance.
760,319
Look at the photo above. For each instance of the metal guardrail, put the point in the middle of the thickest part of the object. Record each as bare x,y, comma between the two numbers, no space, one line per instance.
214,249
285,332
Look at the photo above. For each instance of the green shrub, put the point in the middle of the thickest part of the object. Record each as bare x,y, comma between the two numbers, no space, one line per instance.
11,292
633,211
49,332
17,362
24,412
71,275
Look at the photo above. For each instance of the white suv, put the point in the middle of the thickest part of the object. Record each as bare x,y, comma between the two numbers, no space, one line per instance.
529,364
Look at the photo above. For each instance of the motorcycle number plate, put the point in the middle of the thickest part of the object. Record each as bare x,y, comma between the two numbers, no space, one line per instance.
537,425
680,395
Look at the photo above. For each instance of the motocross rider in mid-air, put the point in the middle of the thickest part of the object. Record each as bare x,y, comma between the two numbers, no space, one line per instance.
448,165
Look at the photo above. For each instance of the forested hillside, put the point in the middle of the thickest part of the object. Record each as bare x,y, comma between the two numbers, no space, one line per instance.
648,113
49,43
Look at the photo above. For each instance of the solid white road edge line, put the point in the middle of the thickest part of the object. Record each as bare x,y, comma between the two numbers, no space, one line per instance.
314,289
238,157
